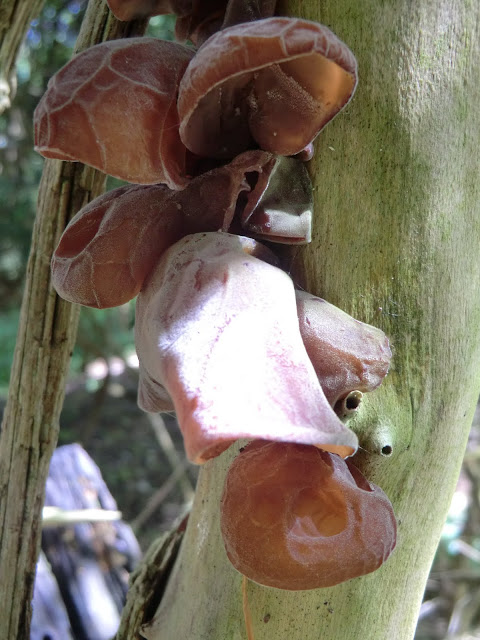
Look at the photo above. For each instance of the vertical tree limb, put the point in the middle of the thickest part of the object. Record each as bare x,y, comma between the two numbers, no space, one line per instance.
44,344
15,17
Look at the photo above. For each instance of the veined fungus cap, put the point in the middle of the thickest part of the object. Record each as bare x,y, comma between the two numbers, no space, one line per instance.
114,107
274,83
295,517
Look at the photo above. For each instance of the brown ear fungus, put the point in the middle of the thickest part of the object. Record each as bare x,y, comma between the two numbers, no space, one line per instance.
113,106
274,82
211,297
221,335
112,244
347,355
295,517
201,21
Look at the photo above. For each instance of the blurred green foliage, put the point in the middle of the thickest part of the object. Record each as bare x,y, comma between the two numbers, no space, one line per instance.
47,47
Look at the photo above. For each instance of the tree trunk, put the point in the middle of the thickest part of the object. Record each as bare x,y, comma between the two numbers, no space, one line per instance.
44,344
15,16
396,244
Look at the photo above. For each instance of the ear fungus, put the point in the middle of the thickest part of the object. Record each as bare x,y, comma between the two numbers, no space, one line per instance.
294,513
201,21
296,517
347,355
112,244
113,106
274,82
210,301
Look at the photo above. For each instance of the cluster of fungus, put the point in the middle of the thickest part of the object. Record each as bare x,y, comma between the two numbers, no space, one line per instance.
213,137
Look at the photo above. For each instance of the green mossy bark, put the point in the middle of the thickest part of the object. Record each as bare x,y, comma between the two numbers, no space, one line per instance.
396,244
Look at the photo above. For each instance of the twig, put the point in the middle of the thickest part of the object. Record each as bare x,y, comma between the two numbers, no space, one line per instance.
55,516
159,496
166,443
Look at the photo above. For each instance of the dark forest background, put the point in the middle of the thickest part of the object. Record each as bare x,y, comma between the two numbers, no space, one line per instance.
141,456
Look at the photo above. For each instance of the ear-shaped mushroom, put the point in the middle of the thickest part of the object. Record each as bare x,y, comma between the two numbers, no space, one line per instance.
274,82
152,395
347,355
113,106
112,244
295,517
217,328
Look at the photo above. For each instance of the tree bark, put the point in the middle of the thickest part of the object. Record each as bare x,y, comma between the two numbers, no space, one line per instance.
397,231
45,340
15,16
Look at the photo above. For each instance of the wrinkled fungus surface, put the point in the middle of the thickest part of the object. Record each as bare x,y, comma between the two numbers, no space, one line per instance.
112,244
296,517
216,327
114,107
348,355
274,83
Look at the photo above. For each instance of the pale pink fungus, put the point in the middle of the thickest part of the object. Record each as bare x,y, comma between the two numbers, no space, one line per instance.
217,328
295,517
347,355
274,82
113,106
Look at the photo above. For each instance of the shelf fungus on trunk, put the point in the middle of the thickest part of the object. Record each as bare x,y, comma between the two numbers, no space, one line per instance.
295,517
114,107
112,244
273,83
216,327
